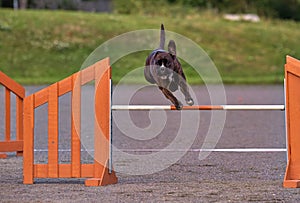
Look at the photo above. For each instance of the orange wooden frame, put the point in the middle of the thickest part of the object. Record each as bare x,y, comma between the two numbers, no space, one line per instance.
9,145
292,84
97,172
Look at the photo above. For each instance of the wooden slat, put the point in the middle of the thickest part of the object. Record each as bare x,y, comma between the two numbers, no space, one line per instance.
41,170
87,74
19,122
292,80
41,97
102,113
291,61
15,87
104,63
102,174
65,171
65,86
87,170
7,114
3,156
28,158
11,146
76,126
53,131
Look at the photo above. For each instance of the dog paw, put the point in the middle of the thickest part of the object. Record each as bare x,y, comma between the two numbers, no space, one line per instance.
179,106
190,102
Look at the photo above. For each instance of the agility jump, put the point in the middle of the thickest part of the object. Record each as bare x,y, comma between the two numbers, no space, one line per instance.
101,171
97,173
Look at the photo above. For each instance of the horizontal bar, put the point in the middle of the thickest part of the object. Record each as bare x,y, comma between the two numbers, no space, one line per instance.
11,146
245,150
141,107
13,86
254,107
201,107
188,150
64,171
208,150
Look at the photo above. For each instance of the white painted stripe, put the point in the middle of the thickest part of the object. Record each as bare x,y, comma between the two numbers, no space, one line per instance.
246,150
183,150
141,107
253,107
209,150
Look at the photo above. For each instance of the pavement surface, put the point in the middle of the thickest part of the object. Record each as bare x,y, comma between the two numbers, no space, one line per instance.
157,154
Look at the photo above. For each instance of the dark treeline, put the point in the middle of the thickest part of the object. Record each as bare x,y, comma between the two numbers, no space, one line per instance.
284,9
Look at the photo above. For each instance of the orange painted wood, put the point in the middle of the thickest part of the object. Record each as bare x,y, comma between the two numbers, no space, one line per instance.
7,114
92,182
76,126
292,78
28,154
106,178
87,75
13,86
87,170
41,97
11,146
53,131
101,73
3,156
41,170
19,122
65,171
65,86
291,61
102,126
102,113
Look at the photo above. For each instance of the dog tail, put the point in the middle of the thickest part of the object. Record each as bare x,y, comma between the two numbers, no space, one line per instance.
162,37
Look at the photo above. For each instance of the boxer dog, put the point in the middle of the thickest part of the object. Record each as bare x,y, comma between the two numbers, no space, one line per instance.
164,69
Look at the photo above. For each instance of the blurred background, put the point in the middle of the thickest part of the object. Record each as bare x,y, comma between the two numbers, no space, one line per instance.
284,9
43,41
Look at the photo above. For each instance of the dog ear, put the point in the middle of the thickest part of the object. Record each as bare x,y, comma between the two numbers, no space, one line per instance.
172,48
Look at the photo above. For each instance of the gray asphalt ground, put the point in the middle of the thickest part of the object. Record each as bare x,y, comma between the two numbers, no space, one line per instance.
172,175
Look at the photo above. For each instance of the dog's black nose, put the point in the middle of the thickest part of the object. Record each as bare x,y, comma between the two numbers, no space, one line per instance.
162,69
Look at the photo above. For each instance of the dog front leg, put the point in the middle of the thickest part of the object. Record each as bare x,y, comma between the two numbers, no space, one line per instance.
185,90
172,98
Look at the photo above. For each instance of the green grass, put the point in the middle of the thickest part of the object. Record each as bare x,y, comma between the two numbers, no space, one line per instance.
40,47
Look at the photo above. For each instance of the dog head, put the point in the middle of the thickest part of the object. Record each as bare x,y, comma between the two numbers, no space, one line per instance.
165,62
164,65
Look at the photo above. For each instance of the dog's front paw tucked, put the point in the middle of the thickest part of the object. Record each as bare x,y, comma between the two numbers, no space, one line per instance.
178,106
190,102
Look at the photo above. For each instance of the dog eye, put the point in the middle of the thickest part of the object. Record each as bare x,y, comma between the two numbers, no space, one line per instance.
159,62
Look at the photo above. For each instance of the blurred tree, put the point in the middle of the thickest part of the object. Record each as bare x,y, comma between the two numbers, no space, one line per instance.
23,4
285,9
